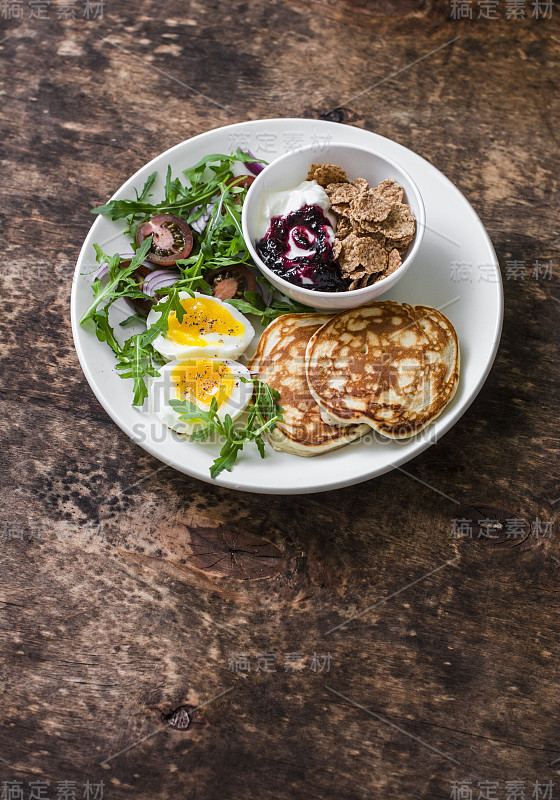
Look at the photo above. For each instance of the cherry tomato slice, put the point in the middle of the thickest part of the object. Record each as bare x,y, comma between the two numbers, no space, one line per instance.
230,282
172,239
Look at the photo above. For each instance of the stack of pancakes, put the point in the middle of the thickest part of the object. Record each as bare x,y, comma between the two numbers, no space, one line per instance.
387,366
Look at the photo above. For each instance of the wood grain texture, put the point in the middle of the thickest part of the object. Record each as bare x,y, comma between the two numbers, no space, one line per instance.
106,621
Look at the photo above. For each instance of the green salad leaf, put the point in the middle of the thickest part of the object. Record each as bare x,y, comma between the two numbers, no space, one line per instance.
263,415
120,283
137,361
203,183
253,303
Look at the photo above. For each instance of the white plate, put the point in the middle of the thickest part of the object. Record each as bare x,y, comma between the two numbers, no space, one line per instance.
456,271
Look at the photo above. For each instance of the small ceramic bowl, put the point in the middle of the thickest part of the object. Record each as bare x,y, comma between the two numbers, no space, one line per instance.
290,170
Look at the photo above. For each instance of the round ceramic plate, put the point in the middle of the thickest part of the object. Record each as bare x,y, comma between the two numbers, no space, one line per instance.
455,271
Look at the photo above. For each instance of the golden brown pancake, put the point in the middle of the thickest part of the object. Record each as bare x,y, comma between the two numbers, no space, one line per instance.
280,362
390,365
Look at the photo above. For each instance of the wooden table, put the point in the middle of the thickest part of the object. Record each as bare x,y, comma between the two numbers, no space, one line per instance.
381,656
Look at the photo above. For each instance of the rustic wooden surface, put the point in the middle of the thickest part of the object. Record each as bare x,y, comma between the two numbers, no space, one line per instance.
104,629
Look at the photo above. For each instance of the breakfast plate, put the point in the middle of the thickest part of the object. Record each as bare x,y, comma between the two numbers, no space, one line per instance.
455,271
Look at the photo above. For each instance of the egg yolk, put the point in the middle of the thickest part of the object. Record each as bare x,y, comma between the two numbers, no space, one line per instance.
201,379
202,316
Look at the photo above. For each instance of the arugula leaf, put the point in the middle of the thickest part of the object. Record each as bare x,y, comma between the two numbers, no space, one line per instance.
169,303
254,304
132,319
247,158
180,198
226,459
102,258
144,194
191,271
118,209
104,331
191,411
136,362
263,415
136,358
113,289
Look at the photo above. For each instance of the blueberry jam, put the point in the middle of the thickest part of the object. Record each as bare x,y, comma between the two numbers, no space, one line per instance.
298,248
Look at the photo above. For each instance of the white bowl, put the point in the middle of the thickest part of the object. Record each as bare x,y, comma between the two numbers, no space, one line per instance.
290,170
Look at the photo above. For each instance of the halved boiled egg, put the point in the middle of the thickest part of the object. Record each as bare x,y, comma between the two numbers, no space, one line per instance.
199,380
209,328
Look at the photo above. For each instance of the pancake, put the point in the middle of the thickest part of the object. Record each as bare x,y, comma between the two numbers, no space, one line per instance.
390,365
280,362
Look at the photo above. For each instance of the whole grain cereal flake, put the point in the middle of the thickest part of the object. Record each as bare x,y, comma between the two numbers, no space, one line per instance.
361,184
326,173
348,242
358,226
343,227
400,223
342,209
370,227
363,253
346,259
390,191
394,263
341,192
357,278
370,254
369,206
403,244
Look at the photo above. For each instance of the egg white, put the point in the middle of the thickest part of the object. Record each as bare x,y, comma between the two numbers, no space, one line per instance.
164,388
218,345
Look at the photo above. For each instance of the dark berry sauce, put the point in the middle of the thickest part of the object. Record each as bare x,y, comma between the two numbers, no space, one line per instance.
307,229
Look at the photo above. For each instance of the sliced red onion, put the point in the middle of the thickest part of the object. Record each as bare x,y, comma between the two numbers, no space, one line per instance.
199,225
159,279
253,166
101,272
